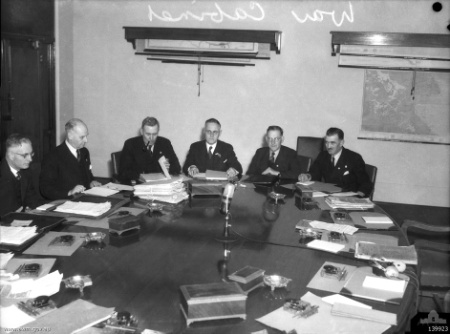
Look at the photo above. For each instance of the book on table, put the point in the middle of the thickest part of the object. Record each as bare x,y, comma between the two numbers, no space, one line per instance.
248,278
372,251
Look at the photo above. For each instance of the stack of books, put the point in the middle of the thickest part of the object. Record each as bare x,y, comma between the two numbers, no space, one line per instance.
168,191
348,202
248,278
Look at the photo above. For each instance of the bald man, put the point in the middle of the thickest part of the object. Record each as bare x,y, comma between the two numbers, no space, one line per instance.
67,170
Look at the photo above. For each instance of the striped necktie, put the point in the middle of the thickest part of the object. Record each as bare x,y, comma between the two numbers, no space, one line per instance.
210,153
78,156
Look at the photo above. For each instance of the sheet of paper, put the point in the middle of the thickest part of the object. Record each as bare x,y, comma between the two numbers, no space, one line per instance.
16,235
44,207
13,317
351,311
4,259
325,246
162,161
100,191
333,299
322,322
84,208
386,284
345,194
17,222
29,288
118,186
339,228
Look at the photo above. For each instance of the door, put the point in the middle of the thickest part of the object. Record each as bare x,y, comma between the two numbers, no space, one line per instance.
27,91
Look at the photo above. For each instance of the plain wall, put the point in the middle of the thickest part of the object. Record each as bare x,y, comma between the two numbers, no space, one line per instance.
103,82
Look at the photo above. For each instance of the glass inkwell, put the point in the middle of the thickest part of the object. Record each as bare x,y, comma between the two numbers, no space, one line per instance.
78,282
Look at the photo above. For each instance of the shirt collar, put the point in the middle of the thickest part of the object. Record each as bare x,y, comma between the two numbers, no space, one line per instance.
276,153
13,170
213,146
72,149
336,156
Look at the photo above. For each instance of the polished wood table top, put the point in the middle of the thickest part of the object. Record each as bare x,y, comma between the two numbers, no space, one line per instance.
183,245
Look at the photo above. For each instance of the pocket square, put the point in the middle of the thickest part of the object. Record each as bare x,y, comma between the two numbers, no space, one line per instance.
225,160
346,172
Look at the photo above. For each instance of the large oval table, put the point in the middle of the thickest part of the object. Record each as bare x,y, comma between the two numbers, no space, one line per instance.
183,244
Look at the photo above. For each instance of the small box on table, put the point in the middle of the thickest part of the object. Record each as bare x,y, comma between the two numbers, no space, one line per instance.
248,278
123,221
200,302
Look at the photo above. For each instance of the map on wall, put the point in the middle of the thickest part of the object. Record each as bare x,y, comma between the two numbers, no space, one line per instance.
406,106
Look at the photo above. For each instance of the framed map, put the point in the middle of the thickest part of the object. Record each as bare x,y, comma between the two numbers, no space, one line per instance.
406,106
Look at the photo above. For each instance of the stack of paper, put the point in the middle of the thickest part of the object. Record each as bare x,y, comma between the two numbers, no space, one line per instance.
348,202
170,191
377,219
84,208
347,229
16,235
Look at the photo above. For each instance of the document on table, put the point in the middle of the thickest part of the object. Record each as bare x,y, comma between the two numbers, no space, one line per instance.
325,246
322,322
341,228
84,208
28,288
100,191
118,186
16,235
4,259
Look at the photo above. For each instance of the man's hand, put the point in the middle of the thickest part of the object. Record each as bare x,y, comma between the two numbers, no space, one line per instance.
193,170
361,194
231,172
95,184
270,171
76,190
167,164
304,177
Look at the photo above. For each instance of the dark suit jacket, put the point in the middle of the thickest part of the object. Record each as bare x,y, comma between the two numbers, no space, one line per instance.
222,159
61,172
286,162
349,173
14,193
134,160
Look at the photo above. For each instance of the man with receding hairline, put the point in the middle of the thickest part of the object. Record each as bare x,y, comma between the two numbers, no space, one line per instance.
275,159
212,153
67,170
17,191
140,154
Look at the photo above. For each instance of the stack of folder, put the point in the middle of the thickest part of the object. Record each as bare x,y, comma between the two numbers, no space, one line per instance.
348,202
168,191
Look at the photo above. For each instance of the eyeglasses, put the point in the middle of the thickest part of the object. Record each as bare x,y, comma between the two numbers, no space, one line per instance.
31,155
274,140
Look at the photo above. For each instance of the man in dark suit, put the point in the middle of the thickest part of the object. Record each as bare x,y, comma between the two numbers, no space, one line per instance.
141,154
275,159
67,169
340,166
16,187
212,153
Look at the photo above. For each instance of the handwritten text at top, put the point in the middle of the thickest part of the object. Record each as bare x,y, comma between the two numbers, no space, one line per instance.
254,12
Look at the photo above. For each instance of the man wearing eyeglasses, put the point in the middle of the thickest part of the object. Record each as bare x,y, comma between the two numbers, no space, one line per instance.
67,170
275,159
17,191
212,153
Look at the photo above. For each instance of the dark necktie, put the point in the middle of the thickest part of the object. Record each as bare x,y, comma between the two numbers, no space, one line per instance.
210,154
18,176
150,151
272,157
332,161
78,155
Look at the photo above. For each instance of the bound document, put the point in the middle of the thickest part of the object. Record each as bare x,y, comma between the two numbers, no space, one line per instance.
372,251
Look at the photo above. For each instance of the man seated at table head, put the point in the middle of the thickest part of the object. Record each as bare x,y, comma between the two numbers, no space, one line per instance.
275,159
340,166
17,191
212,153
67,169
140,154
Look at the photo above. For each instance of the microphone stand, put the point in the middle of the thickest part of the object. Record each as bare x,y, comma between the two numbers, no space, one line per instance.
227,237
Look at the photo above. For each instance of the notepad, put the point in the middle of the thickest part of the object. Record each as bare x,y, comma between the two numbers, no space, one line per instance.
377,219
325,246
385,284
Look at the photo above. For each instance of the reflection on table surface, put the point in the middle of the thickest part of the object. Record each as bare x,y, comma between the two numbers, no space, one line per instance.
178,245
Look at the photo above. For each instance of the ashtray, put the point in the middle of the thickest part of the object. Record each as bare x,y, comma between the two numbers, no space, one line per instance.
94,237
154,206
300,308
276,196
310,233
78,282
276,281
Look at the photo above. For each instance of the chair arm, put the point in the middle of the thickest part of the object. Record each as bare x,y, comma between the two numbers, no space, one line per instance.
431,228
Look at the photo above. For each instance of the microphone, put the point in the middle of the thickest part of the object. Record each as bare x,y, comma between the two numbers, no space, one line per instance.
227,196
